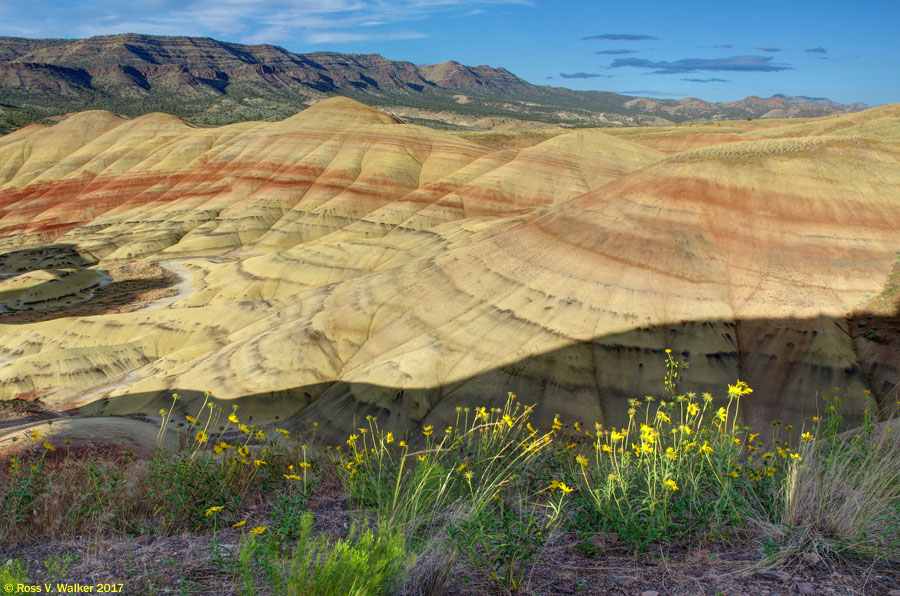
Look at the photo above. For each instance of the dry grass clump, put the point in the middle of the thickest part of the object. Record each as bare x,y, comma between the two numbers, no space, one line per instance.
845,497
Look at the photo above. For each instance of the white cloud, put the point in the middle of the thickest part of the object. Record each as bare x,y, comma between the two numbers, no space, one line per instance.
250,21
345,37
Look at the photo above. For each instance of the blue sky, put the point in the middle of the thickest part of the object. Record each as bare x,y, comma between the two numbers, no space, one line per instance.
715,51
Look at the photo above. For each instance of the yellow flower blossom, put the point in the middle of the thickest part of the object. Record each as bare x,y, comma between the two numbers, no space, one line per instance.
259,462
243,428
201,437
35,434
239,524
508,420
693,409
670,484
807,436
261,435
738,389
291,476
582,460
285,433
258,530
212,510
233,418
402,444
670,453
706,448
389,438
428,430
49,447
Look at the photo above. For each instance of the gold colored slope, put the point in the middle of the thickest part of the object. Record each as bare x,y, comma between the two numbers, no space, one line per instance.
379,268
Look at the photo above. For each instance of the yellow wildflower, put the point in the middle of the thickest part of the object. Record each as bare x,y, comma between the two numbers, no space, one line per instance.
243,428
428,430
693,409
582,460
258,530
402,444
706,448
389,438
352,439
561,486
49,447
670,484
239,524
670,453
233,418
261,435
285,433
202,437
291,476
212,510
738,389
35,434
508,420
423,457
259,462
807,436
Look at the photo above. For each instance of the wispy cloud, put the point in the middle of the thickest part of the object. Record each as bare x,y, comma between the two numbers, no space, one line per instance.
727,46
616,52
689,65
819,50
247,21
346,37
706,80
620,37
583,75
767,49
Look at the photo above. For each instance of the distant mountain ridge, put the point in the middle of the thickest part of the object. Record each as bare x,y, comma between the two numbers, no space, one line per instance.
214,82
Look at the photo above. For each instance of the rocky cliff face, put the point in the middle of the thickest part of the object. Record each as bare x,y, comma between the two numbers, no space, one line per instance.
214,82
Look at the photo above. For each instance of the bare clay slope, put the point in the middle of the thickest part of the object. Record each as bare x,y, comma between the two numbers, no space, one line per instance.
374,267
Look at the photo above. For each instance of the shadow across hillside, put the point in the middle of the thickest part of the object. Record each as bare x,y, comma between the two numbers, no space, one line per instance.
130,289
50,256
790,364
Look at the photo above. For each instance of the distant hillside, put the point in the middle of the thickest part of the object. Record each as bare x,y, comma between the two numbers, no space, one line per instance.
212,82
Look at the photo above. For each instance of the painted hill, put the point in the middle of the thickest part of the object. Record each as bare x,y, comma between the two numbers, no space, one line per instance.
340,263
212,82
